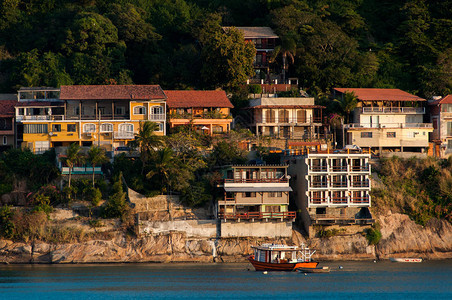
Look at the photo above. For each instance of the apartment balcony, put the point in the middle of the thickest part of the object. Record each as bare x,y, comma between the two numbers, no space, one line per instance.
339,200
318,185
393,110
261,180
123,135
339,168
20,118
339,184
157,117
360,184
318,200
291,121
289,215
360,200
388,125
207,115
318,169
99,117
359,168
6,129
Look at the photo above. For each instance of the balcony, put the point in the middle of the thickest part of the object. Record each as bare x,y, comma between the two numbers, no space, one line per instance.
318,200
157,117
261,180
101,117
274,120
318,185
20,118
359,168
318,168
339,184
393,110
339,168
257,215
360,184
389,125
121,135
339,200
207,115
360,200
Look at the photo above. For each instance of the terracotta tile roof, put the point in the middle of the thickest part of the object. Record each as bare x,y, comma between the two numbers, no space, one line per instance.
111,92
446,100
256,32
7,108
365,94
180,99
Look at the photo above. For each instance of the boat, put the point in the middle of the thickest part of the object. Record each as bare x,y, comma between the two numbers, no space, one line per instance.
410,260
314,270
276,257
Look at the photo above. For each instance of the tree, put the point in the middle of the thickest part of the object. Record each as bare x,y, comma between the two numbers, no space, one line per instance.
287,50
347,104
96,156
228,59
74,157
162,166
147,141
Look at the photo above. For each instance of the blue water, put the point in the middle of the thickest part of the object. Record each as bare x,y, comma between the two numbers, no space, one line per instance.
356,280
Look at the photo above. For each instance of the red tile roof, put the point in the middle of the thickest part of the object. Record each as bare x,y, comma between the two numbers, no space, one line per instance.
446,100
365,94
181,99
7,108
111,92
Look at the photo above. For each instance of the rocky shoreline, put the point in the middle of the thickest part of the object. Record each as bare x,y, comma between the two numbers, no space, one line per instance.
400,237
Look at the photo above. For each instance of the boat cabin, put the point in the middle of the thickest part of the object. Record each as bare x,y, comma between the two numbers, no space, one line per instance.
274,253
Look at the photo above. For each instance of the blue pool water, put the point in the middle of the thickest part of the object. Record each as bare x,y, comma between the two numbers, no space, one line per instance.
355,280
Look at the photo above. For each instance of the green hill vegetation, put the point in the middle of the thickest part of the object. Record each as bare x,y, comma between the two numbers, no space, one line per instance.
179,44
421,188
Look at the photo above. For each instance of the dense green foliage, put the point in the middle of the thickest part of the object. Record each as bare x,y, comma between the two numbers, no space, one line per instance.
421,188
180,44
373,235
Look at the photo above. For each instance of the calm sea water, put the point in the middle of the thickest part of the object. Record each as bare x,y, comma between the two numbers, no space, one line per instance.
356,280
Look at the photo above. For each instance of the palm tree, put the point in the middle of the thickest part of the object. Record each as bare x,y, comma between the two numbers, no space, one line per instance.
147,141
161,166
74,157
96,156
347,104
287,50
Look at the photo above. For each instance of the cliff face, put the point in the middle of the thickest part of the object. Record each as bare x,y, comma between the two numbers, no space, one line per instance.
400,237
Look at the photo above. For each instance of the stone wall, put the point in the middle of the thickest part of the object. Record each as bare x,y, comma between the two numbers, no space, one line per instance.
269,229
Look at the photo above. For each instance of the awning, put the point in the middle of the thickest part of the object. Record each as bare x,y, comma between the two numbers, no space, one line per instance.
258,189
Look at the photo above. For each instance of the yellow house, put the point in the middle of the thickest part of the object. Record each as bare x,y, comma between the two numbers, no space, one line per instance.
103,115
206,111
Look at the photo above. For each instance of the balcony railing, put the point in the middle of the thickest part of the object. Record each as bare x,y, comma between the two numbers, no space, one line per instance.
359,168
318,185
261,180
157,117
339,168
339,184
258,215
123,135
317,200
265,120
319,168
40,118
389,125
360,184
393,110
358,200
207,115
339,200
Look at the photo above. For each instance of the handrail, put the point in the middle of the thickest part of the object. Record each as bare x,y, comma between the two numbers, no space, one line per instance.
261,180
258,215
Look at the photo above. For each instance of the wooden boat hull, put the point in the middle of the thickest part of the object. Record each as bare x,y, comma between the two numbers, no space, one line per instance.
408,260
288,267
314,270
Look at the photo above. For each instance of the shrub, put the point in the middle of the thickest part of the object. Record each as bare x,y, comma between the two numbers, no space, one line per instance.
116,205
255,89
327,233
373,235
94,196
6,224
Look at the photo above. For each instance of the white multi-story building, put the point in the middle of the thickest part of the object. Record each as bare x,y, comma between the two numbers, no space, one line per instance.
441,117
332,188
387,120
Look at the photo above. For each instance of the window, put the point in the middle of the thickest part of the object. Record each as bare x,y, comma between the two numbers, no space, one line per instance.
35,128
106,127
89,127
139,110
160,129
449,144
120,110
71,127
5,140
446,107
217,129
249,195
449,128
76,110
390,134
275,194
21,112
56,127
126,127
366,134
157,110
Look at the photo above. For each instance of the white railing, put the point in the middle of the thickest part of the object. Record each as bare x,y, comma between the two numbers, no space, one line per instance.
389,125
123,135
157,117
394,110
39,118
